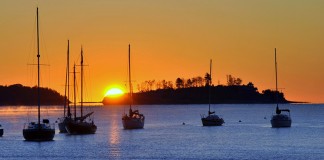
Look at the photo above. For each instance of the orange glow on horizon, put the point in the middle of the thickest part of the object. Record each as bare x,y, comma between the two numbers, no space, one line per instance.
168,41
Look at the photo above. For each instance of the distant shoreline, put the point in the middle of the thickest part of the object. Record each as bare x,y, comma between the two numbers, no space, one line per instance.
17,94
236,94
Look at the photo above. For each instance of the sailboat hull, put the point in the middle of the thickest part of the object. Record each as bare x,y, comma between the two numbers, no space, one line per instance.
133,123
74,127
280,121
207,122
212,123
62,127
42,132
212,120
1,132
63,123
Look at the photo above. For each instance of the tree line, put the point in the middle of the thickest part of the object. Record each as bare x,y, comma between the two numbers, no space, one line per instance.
18,94
196,91
197,81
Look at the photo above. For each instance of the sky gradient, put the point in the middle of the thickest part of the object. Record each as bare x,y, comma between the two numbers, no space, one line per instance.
169,39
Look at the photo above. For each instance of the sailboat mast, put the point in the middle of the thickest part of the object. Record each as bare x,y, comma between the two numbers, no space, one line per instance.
38,70
74,87
130,80
210,67
66,80
81,82
277,98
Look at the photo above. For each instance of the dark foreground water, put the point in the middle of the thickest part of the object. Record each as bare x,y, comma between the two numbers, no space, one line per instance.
165,137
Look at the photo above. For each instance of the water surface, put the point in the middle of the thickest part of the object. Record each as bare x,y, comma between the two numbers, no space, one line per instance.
165,136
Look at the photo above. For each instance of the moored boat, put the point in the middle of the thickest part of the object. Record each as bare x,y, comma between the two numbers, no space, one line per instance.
83,124
39,131
211,119
81,127
67,111
134,119
279,119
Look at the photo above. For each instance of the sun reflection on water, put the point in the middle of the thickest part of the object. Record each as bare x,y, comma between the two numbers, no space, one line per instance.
114,138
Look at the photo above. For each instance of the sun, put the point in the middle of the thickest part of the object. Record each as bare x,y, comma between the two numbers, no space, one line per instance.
114,92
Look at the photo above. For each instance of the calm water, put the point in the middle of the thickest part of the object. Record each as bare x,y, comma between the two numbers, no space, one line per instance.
164,136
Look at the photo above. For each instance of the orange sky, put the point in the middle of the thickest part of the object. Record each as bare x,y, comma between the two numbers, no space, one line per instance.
169,39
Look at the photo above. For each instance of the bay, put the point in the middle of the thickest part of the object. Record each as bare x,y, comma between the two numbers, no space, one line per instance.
173,132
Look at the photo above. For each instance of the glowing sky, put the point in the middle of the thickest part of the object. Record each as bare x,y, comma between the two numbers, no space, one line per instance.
169,39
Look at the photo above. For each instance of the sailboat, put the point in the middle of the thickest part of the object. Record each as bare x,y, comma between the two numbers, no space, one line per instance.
279,119
1,131
67,111
82,124
37,131
134,120
212,119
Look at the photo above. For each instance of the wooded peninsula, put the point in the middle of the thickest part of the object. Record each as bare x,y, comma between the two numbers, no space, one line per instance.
18,94
196,90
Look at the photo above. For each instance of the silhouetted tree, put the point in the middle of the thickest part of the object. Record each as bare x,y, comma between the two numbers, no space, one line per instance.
238,81
164,84
207,79
169,85
179,83
194,82
151,84
158,85
200,81
188,84
232,81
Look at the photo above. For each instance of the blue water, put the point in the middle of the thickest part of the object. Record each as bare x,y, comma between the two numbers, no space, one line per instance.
165,137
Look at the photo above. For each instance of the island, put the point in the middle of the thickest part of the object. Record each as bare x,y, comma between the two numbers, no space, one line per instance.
18,94
196,91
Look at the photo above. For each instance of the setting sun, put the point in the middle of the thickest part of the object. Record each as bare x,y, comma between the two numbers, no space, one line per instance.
114,92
